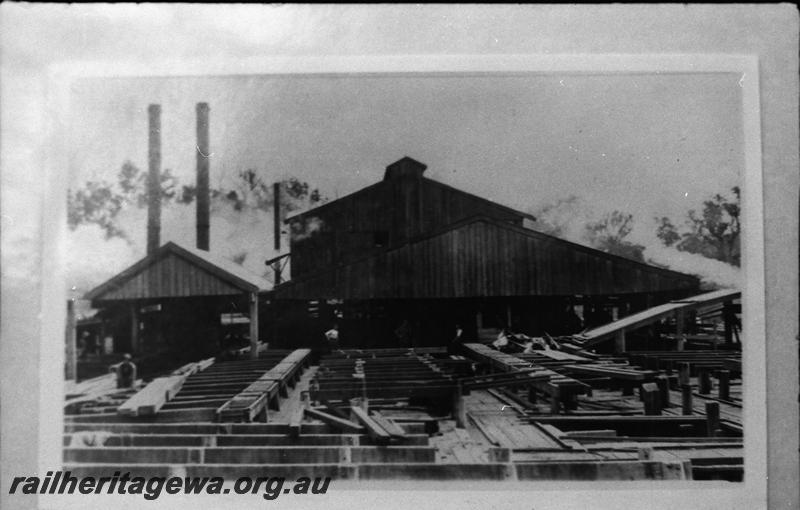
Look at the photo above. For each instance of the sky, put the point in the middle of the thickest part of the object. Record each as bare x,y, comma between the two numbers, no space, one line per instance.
520,140
647,144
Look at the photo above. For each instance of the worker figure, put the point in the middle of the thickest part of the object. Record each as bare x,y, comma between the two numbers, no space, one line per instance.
83,345
455,344
332,338
126,373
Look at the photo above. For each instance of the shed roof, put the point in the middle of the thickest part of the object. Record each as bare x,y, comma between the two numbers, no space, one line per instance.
359,194
178,271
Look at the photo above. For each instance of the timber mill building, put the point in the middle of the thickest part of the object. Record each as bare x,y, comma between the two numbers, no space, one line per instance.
408,259
400,263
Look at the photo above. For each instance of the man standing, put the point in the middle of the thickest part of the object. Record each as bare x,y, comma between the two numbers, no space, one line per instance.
126,373
455,343
332,337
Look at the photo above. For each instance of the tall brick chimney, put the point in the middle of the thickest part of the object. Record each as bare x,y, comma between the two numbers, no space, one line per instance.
154,179
203,155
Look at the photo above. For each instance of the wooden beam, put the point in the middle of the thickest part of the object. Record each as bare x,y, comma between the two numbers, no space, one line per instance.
342,424
152,398
388,425
623,373
374,430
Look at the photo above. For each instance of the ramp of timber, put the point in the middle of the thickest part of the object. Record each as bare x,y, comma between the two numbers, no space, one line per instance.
652,315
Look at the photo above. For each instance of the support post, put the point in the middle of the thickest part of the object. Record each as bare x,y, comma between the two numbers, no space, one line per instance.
652,399
459,409
705,381
712,418
685,374
531,394
727,317
619,343
724,377
71,370
134,328
663,389
555,401
686,400
253,325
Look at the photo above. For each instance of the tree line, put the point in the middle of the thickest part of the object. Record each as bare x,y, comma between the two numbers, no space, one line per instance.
713,231
99,202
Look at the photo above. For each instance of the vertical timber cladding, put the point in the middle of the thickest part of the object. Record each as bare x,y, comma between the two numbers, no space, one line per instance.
403,207
408,237
171,276
487,258
191,288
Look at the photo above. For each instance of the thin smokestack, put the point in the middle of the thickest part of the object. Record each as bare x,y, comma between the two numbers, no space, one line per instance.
276,193
154,179
203,155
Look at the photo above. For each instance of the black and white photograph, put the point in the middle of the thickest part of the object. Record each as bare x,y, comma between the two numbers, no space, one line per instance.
282,279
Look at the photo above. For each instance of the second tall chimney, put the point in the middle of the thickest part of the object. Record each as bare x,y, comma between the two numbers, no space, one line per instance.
203,154
154,179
